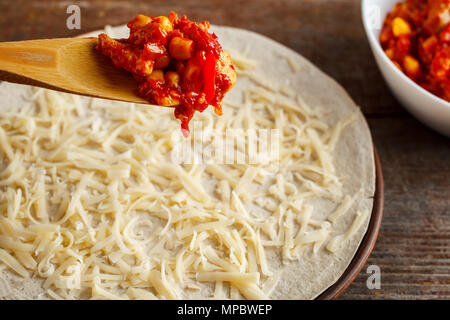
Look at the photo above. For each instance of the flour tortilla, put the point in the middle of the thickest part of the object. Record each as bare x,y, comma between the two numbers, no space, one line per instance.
353,159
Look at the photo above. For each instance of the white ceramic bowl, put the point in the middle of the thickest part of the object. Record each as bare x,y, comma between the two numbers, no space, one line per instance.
428,108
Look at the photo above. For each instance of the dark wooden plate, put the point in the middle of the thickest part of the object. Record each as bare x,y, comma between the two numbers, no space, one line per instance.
367,244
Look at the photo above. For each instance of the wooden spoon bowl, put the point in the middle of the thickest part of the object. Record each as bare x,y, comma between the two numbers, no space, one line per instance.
68,64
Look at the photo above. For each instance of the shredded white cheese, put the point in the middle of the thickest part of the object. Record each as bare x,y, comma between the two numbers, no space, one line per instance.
91,201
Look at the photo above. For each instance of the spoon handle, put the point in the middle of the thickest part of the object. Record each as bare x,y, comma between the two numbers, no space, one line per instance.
31,61
66,64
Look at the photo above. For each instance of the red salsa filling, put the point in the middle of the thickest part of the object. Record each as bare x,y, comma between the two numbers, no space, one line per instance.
416,37
176,62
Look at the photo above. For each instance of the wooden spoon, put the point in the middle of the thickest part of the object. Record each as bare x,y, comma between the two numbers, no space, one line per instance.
68,64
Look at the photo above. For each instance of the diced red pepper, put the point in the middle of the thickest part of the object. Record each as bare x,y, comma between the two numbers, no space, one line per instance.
209,76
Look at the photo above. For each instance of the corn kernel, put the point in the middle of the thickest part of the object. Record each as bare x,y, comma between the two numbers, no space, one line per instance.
411,65
191,72
172,79
400,27
167,101
181,48
164,23
390,53
162,62
430,43
141,21
157,75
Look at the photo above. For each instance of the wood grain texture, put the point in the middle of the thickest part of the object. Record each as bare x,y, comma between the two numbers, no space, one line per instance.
412,250
66,64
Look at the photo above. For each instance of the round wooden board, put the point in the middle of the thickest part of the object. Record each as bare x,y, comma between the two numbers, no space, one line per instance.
367,244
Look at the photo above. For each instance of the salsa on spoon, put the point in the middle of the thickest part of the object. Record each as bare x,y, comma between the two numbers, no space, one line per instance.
176,63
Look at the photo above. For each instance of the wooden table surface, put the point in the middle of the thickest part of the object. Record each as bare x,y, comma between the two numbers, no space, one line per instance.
412,250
